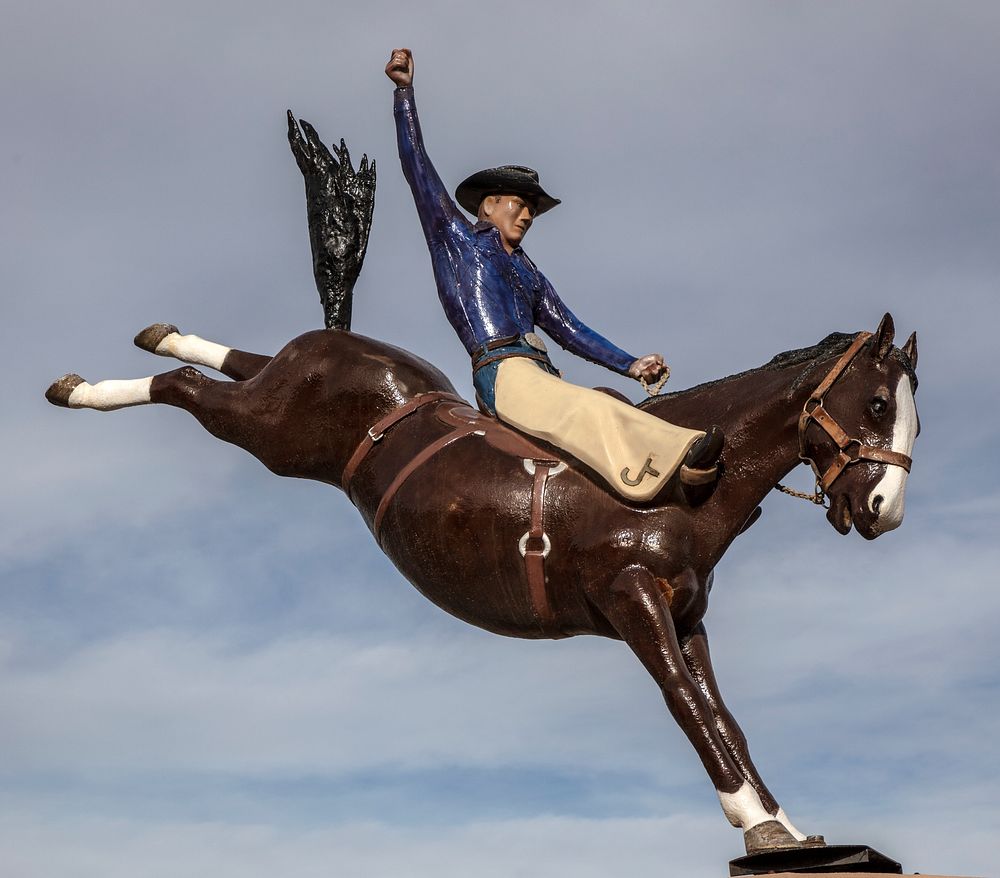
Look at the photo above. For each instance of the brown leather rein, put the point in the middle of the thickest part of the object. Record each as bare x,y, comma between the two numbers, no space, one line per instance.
850,449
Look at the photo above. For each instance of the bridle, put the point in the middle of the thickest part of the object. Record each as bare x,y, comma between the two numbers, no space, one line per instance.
850,449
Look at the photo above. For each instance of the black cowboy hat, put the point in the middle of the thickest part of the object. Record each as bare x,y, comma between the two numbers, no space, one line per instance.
505,180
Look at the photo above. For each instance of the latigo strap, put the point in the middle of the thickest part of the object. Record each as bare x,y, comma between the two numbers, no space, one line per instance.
537,545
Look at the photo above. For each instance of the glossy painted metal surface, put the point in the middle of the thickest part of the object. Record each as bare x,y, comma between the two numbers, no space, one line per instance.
339,206
641,574
454,526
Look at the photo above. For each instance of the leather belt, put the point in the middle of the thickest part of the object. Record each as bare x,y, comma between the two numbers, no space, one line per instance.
504,355
529,351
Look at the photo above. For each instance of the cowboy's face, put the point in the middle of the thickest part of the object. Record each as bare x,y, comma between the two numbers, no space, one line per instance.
512,215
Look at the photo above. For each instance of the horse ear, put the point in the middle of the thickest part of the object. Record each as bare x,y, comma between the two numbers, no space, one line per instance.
910,349
882,342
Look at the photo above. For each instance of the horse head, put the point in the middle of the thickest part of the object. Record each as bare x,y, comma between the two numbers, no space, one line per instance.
858,428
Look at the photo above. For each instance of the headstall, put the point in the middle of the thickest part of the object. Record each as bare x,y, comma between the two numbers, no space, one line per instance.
850,449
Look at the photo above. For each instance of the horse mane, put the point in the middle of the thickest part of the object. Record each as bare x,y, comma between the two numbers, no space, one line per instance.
835,343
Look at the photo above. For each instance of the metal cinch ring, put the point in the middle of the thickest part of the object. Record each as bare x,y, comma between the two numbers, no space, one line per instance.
522,544
529,466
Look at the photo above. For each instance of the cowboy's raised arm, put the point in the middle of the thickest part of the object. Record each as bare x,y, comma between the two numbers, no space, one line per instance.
434,204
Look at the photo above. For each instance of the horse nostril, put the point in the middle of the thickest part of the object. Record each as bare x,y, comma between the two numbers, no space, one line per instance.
877,503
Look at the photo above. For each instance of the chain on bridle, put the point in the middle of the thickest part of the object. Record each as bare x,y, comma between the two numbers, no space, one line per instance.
850,450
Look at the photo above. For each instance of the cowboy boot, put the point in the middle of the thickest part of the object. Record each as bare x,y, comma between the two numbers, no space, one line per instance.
700,471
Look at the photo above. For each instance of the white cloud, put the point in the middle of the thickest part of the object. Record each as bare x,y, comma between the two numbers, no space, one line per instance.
96,848
324,705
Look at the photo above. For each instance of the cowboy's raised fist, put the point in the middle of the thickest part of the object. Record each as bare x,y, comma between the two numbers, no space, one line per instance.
649,367
400,68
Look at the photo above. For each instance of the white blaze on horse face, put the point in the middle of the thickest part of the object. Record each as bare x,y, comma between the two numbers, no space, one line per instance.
892,486
744,808
106,396
192,349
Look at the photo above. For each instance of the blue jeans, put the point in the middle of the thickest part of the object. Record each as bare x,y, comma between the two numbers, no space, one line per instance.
484,379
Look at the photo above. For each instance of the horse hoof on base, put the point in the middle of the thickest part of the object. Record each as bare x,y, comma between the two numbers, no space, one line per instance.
769,836
149,339
59,391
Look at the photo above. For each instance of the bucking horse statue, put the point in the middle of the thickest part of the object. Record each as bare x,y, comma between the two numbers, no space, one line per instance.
533,546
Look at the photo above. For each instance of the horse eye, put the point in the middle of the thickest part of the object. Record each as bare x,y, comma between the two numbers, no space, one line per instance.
879,406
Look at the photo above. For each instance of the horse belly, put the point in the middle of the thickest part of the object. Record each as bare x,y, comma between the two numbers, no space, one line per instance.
455,538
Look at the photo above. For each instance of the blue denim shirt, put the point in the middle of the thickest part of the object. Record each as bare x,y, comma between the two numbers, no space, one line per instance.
486,293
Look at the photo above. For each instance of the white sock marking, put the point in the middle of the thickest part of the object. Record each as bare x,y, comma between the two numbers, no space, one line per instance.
107,396
782,818
744,808
194,350
892,486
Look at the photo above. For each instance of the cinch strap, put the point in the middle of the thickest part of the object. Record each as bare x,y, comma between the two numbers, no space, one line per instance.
376,433
418,461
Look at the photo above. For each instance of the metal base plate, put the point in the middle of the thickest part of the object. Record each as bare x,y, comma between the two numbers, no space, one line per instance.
816,860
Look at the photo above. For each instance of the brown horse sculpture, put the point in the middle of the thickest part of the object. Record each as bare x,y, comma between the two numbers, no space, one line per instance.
500,532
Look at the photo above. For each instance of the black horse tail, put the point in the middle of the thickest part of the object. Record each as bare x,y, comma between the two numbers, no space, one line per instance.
339,205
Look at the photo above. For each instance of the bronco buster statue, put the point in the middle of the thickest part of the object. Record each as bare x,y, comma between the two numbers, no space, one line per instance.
546,540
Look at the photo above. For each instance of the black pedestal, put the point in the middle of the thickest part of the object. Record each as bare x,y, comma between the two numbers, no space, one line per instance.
816,860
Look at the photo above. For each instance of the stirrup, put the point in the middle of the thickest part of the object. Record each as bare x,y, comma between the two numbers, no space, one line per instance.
692,476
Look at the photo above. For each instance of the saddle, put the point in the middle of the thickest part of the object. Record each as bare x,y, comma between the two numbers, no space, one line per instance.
463,421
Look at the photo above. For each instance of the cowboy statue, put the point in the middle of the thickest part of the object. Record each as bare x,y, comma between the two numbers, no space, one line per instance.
494,297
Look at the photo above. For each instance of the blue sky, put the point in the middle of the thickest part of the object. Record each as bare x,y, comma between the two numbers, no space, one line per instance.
205,669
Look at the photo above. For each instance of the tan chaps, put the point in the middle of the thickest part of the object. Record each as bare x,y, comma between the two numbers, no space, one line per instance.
634,452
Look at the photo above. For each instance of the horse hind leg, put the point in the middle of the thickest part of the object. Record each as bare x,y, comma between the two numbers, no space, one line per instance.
177,388
166,340
72,391
224,408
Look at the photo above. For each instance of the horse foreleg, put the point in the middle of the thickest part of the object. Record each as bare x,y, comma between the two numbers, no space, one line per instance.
699,663
165,340
636,608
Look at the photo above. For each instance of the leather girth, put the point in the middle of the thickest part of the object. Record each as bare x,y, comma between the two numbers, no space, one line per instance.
417,461
378,431
535,544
